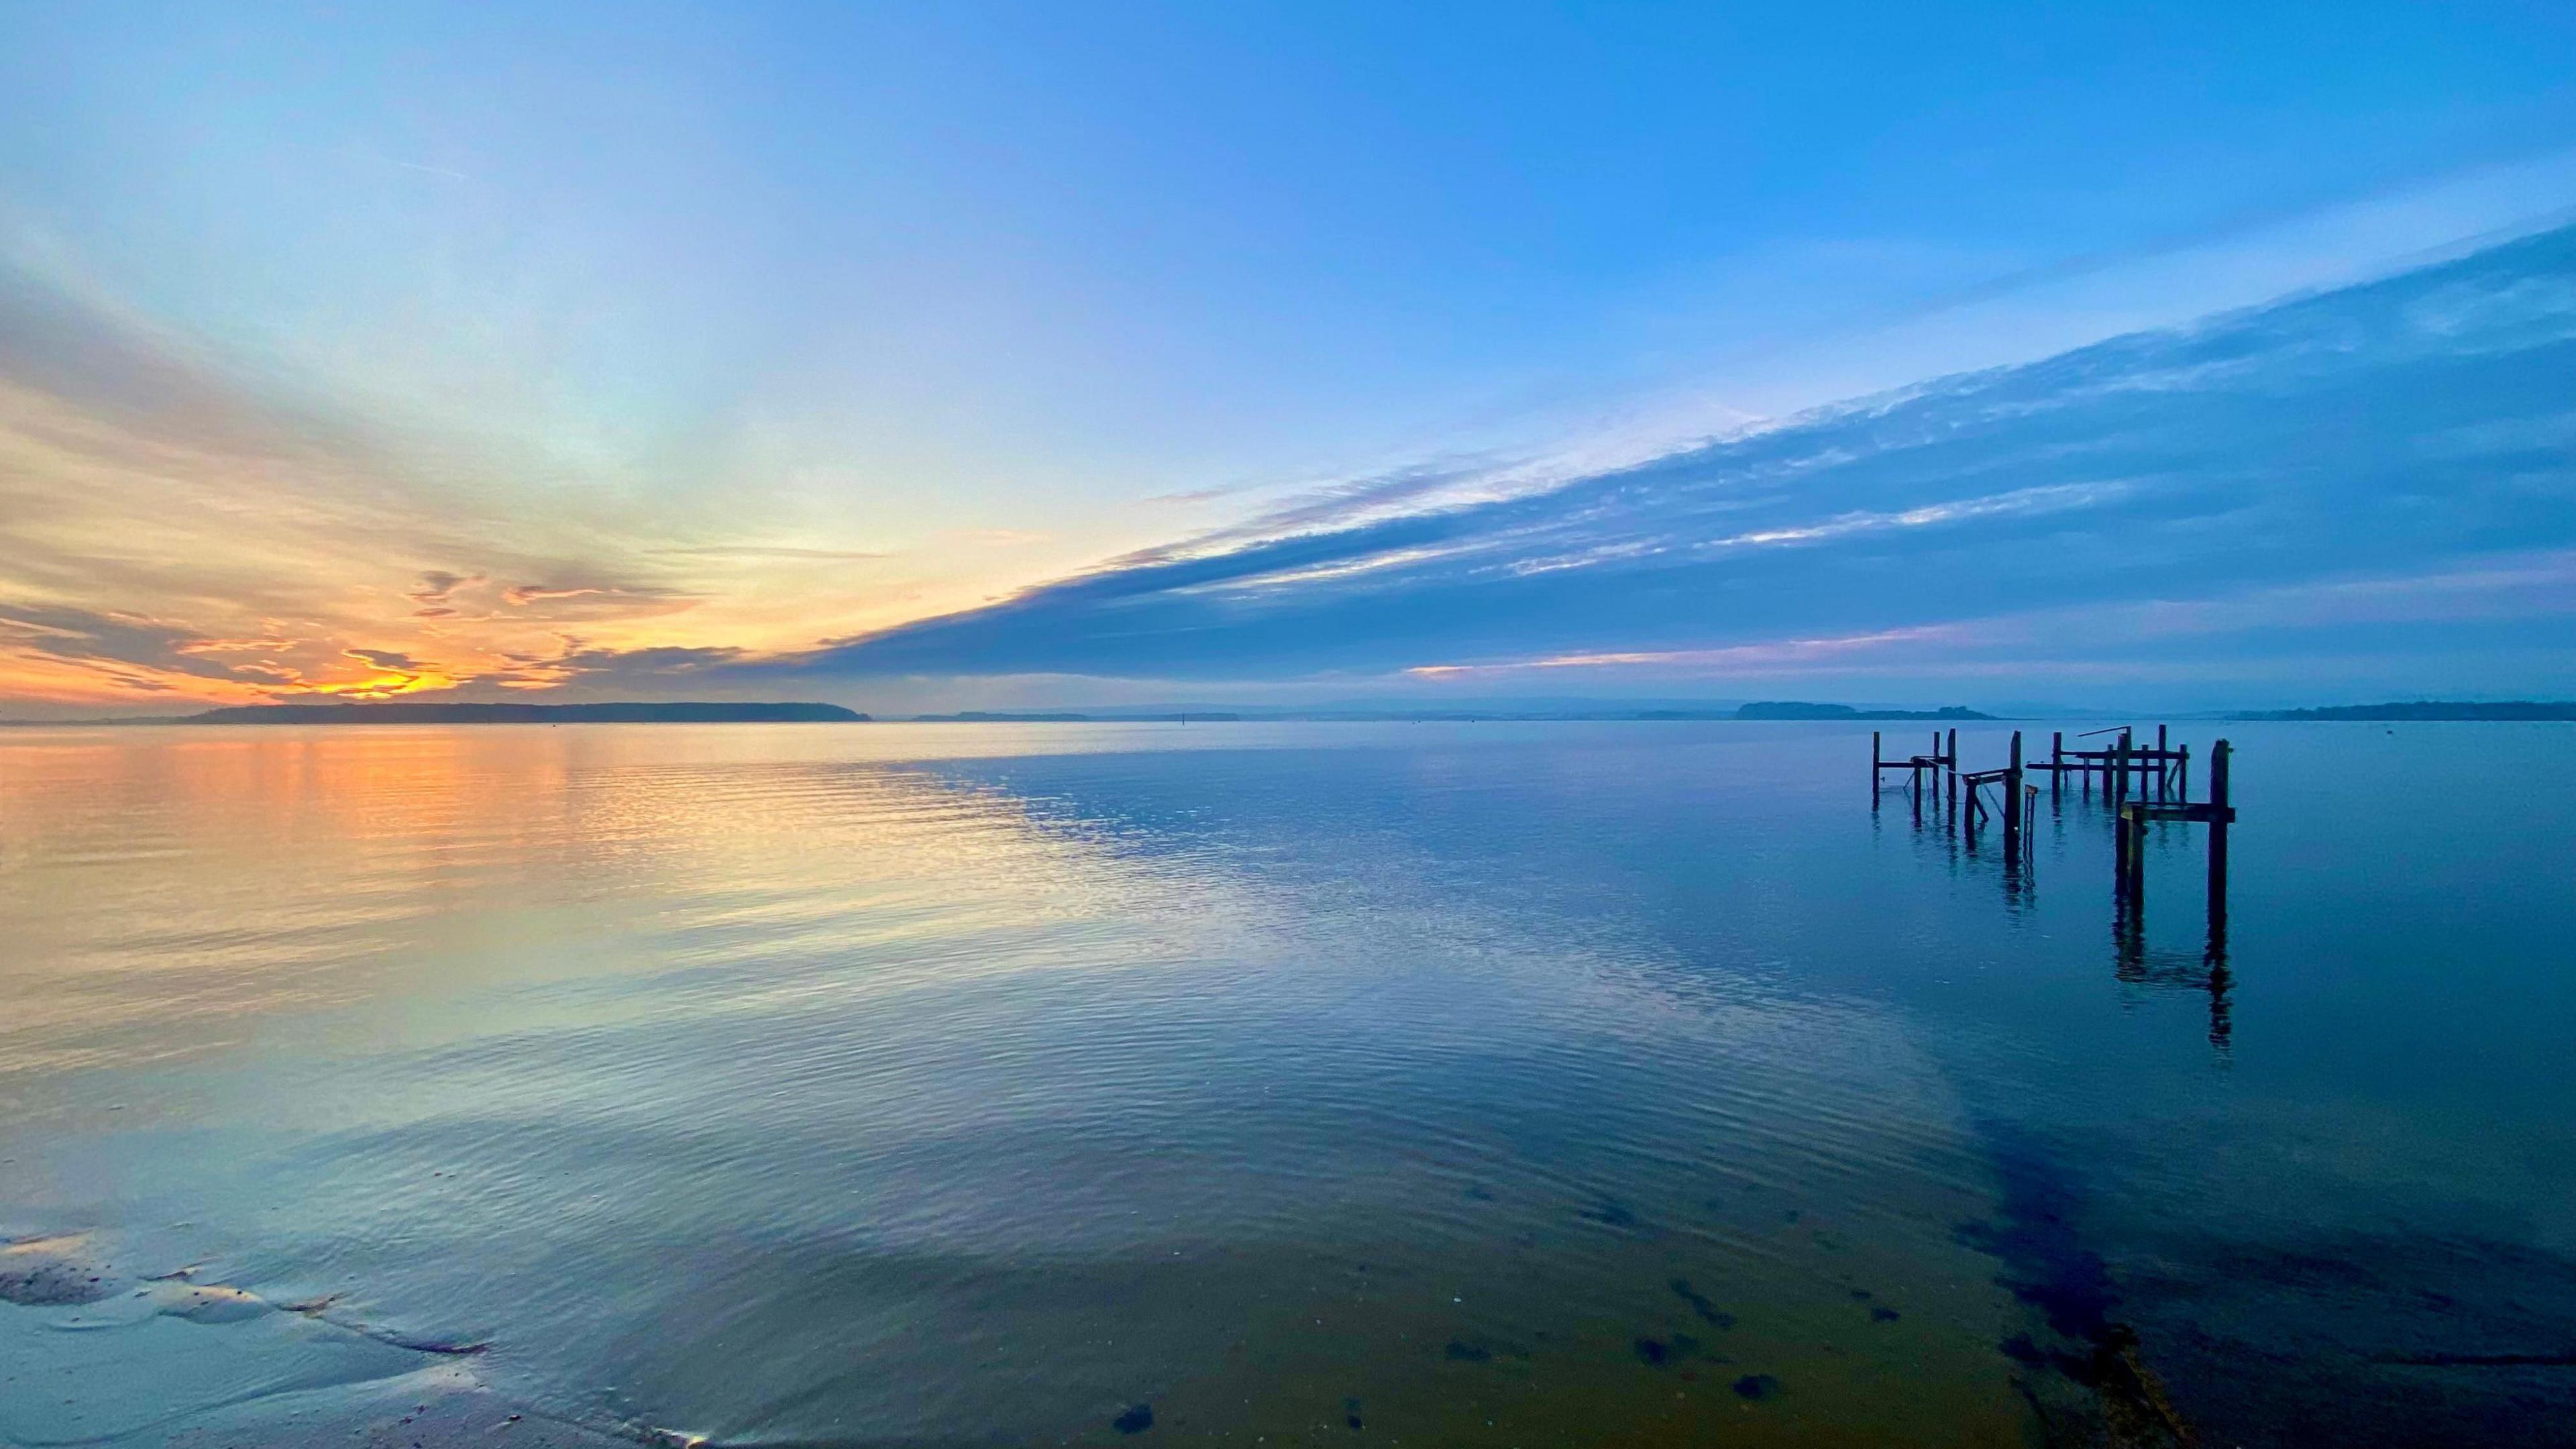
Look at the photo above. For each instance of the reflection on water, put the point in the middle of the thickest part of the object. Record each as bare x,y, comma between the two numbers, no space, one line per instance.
1509,1084
1935,803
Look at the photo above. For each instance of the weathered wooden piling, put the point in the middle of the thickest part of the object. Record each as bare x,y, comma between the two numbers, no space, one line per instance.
2012,801
2018,800
2120,858
1923,772
2222,814
2129,864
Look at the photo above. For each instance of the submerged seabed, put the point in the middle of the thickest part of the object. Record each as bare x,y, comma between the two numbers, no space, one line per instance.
1445,1084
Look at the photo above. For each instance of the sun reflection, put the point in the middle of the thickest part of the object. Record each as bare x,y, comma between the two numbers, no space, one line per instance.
176,885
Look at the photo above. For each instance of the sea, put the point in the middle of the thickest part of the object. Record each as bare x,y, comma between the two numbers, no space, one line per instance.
1443,1083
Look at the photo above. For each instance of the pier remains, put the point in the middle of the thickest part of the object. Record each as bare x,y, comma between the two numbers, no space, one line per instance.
2142,783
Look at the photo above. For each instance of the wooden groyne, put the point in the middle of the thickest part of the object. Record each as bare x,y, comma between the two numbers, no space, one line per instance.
1928,773
2017,802
2125,767
2130,862
1925,769
2142,783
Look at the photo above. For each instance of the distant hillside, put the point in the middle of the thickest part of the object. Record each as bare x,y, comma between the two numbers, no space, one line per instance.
2430,709
616,713
985,716
1797,709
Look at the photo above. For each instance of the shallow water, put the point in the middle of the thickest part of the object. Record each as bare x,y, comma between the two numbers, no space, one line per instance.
1443,1083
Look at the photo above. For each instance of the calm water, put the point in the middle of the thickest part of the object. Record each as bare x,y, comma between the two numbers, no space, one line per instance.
1493,1084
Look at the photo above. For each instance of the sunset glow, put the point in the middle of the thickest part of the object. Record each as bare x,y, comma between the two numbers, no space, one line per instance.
813,352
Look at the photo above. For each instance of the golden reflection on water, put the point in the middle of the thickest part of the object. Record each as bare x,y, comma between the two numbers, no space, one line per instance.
161,885
779,1036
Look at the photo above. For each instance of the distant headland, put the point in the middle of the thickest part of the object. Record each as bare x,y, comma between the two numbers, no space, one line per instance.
1800,709
631,712
986,716
2430,709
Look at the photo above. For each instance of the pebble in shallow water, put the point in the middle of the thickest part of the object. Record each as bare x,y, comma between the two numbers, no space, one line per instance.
49,1273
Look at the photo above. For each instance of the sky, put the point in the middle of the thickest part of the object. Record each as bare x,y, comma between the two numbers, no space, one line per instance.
991,356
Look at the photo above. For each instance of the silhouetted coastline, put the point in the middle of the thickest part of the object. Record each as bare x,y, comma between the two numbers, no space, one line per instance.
626,712
2429,710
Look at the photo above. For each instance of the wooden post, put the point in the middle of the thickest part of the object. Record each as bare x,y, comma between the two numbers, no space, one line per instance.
1873,766
1954,769
2056,764
2218,754
2160,762
2137,826
2012,802
2120,857
2184,767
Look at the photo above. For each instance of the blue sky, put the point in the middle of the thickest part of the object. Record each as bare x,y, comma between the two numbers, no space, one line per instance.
646,350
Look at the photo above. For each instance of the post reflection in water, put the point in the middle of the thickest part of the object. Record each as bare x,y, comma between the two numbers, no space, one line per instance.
2135,965
1565,1083
2014,863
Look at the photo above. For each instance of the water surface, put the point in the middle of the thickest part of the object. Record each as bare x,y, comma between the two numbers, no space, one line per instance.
1451,1083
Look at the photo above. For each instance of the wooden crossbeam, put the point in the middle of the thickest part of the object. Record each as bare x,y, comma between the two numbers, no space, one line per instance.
2204,813
2142,752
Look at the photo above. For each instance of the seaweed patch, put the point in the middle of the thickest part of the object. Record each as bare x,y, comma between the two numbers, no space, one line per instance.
2047,1266
1707,1311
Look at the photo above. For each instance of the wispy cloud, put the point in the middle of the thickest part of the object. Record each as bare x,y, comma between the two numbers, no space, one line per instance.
2381,475
763,551
2405,426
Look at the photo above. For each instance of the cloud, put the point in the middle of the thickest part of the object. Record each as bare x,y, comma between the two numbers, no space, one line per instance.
2376,476
437,584
385,659
763,551
541,593
596,601
148,475
2414,424
110,640
600,670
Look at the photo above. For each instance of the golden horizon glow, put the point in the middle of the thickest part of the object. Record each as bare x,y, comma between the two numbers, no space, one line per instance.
208,551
